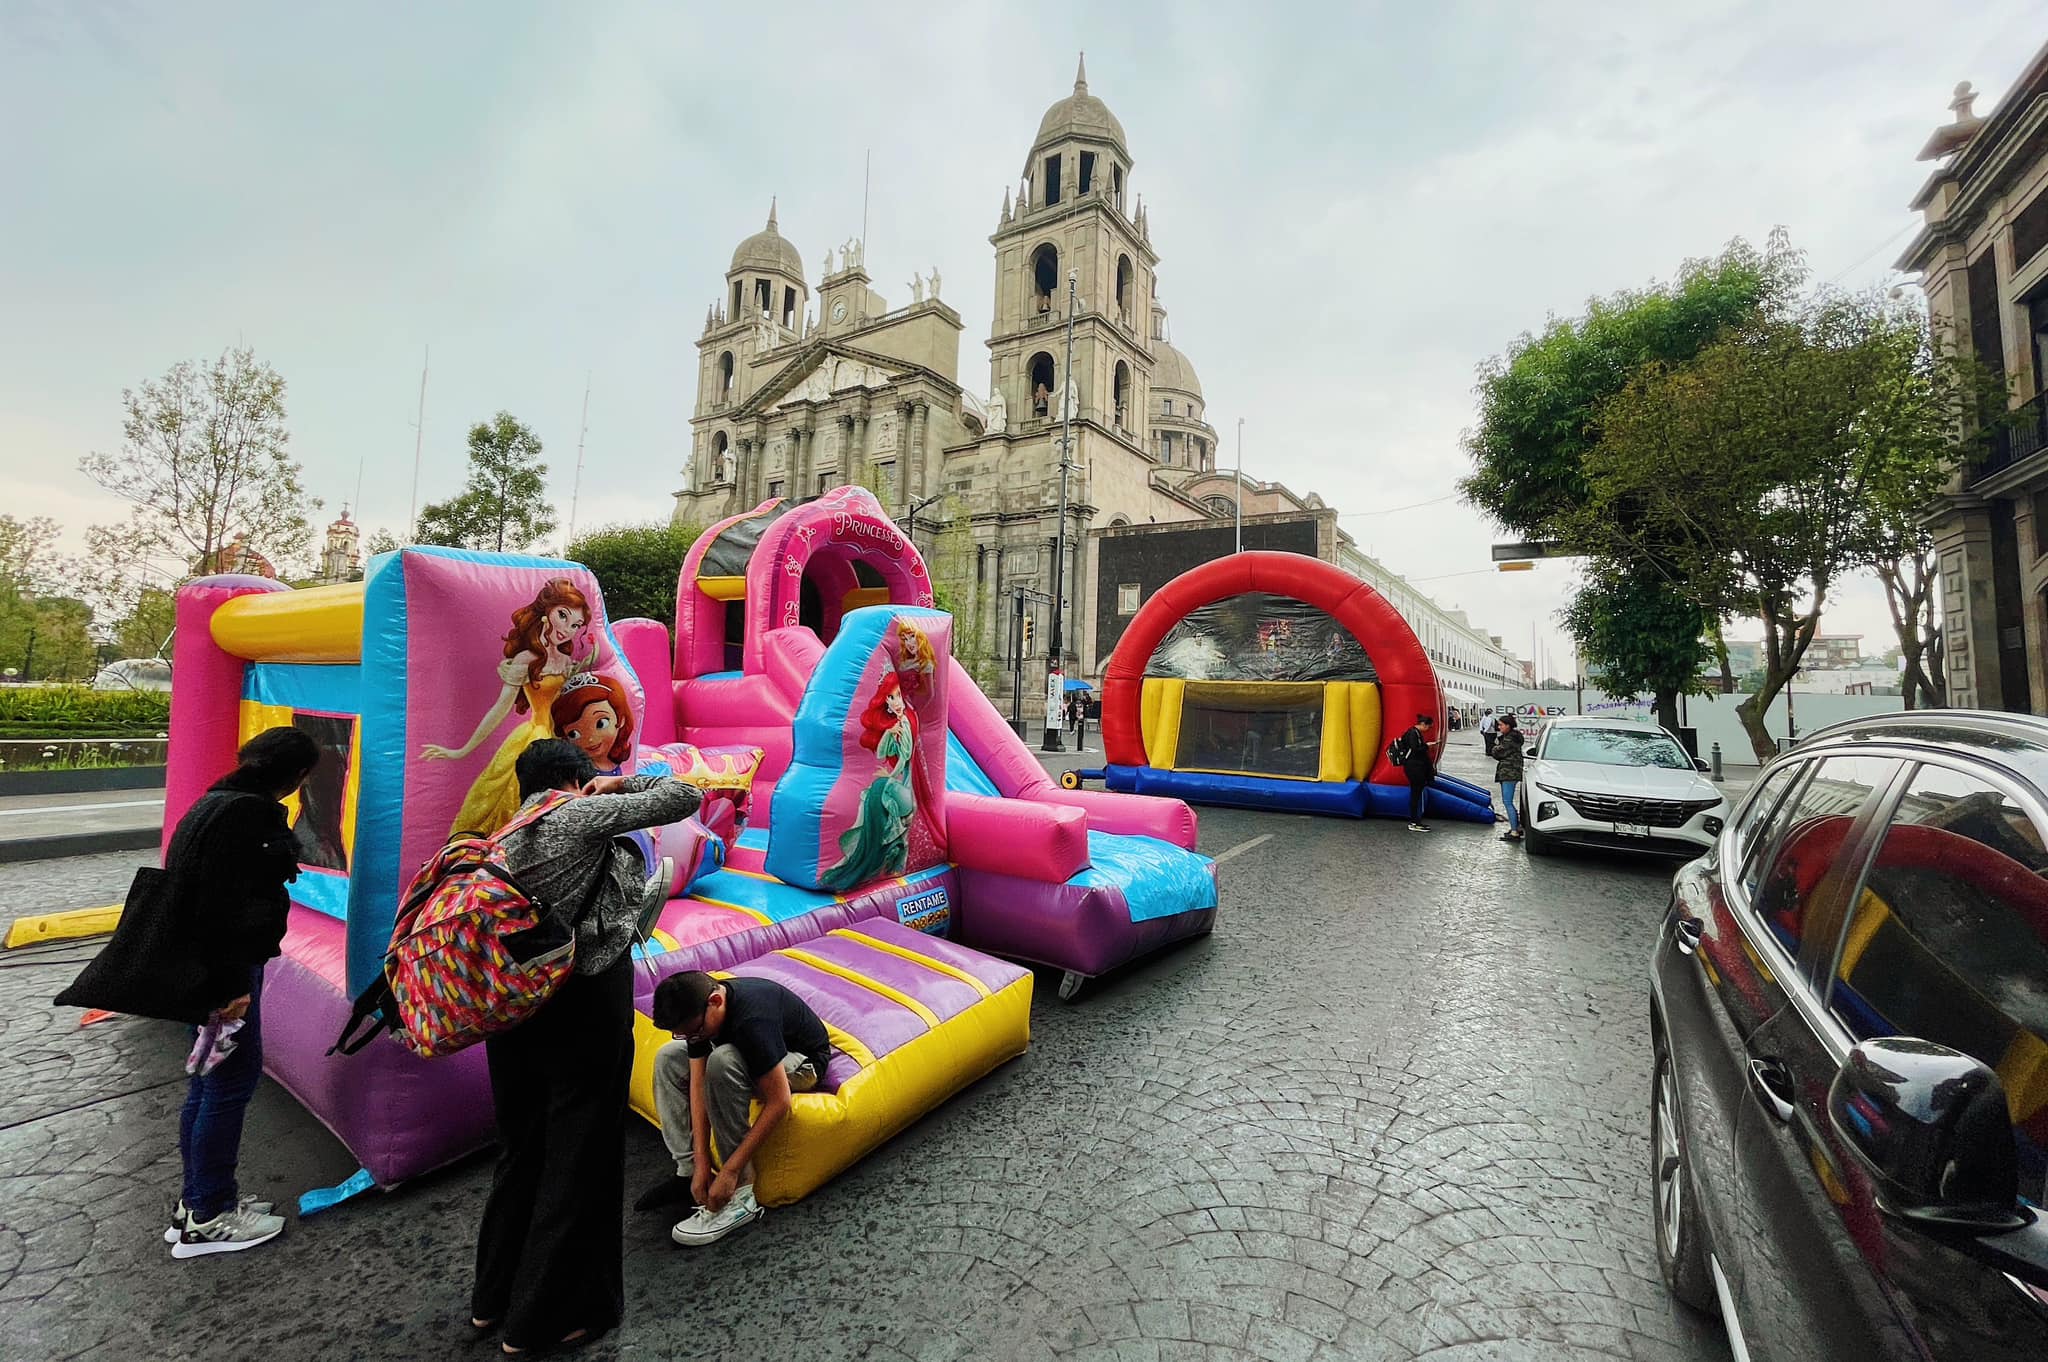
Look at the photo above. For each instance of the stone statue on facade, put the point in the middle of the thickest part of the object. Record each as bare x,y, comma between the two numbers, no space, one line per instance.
916,290
998,411
828,263
935,283
860,252
728,465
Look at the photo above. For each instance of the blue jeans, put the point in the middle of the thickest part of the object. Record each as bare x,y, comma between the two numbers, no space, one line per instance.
210,1126
1508,789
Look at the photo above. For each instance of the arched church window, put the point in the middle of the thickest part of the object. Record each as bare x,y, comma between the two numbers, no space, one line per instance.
1045,275
1222,507
1042,378
739,298
1123,289
725,375
788,309
764,297
1116,184
1120,390
1087,171
721,458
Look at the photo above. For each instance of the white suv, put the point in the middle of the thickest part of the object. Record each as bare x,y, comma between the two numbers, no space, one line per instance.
1618,784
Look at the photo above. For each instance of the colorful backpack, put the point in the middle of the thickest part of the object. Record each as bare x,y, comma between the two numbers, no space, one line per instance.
472,953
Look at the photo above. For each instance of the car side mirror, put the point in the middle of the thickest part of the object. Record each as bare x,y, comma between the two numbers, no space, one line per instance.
1932,1127
1701,766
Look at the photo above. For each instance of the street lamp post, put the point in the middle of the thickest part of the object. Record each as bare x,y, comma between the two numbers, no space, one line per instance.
917,509
1055,656
1238,491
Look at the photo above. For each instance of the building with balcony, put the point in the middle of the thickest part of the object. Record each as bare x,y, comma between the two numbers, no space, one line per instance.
1982,257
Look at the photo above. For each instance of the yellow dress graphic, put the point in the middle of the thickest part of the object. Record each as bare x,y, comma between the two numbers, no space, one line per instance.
494,797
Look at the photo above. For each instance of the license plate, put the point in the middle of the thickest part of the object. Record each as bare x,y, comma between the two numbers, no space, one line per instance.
1633,829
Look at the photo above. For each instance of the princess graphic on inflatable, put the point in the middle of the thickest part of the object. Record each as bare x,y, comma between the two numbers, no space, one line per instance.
540,656
878,843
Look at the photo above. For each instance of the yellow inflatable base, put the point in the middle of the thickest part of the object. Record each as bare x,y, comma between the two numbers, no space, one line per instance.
32,931
826,1133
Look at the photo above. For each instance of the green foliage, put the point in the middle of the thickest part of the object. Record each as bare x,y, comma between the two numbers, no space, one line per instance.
62,711
43,632
1638,634
204,464
73,755
1780,458
637,566
503,508
1540,403
146,628
381,541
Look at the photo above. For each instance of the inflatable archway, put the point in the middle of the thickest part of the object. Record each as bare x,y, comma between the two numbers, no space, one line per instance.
1272,680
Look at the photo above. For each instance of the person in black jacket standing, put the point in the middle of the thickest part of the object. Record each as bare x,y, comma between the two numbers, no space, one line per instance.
1414,759
229,861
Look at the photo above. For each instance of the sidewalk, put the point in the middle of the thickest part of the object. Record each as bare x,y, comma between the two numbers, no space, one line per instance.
39,827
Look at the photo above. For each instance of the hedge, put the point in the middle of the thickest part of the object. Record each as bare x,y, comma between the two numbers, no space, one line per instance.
75,711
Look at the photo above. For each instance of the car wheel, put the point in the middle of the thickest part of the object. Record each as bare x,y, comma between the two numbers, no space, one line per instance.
1536,843
1681,1243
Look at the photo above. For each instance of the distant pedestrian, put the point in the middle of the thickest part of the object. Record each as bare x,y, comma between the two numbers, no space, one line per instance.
1489,727
1507,769
1411,753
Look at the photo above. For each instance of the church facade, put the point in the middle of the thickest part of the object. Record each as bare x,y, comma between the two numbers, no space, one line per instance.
792,401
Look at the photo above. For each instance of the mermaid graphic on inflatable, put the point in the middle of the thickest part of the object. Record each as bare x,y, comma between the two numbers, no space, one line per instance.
878,843
540,657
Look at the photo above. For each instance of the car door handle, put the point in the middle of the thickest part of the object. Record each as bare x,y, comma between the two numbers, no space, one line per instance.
1685,934
1772,1082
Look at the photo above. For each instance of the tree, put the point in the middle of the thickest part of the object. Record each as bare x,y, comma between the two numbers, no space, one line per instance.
951,559
1539,417
1770,465
638,566
42,628
147,626
1623,619
1910,576
204,464
382,541
503,507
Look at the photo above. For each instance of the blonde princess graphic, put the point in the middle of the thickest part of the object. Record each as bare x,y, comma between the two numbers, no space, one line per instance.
540,656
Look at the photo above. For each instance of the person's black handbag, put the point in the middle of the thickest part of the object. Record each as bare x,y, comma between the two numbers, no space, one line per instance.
152,967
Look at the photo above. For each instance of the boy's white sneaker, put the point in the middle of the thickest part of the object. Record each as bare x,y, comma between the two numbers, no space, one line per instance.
706,1227
229,1232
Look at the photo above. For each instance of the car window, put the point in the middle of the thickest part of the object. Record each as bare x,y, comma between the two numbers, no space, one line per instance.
1799,859
1616,747
1948,941
1755,815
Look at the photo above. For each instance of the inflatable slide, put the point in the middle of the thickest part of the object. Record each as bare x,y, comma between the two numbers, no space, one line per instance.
899,847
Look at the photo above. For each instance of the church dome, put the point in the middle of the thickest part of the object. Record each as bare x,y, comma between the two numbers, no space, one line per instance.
1171,371
768,249
1080,115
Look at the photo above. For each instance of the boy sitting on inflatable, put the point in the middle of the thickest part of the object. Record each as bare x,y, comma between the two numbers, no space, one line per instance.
737,1040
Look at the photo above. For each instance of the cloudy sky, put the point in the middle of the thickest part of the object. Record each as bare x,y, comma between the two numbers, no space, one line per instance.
1354,205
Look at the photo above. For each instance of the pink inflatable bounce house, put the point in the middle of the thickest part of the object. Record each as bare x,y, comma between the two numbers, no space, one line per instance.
887,847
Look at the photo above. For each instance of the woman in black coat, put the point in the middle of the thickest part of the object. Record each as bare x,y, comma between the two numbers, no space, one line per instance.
228,864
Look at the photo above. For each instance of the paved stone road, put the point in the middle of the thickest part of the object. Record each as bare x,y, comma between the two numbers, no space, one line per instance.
1393,1108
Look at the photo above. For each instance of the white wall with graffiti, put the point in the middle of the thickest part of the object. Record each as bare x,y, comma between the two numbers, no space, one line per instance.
1713,715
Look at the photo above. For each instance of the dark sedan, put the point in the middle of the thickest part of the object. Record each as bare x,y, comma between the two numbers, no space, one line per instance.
1849,1114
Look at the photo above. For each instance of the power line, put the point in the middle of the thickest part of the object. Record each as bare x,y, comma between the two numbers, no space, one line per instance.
1395,510
1874,250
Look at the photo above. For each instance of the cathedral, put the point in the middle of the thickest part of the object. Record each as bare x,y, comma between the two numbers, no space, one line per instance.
796,395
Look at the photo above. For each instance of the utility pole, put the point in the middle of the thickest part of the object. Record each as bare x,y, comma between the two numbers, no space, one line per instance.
419,430
1240,485
576,487
1055,656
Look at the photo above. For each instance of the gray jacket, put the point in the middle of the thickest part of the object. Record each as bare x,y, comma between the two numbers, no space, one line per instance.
558,859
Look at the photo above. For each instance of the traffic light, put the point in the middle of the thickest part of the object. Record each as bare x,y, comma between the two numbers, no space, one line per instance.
1027,636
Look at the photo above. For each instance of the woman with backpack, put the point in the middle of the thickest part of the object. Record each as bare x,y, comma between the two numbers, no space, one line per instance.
1507,769
549,1257
1411,753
